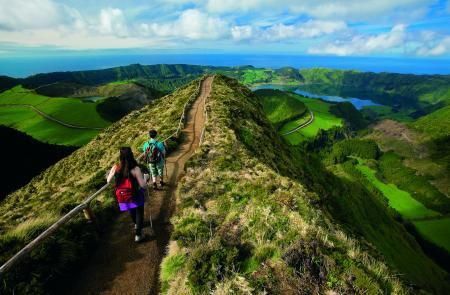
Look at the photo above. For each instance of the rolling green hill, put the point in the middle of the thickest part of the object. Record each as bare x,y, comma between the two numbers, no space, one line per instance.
19,109
399,90
279,107
287,110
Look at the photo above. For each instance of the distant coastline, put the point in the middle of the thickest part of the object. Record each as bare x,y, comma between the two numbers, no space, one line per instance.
20,67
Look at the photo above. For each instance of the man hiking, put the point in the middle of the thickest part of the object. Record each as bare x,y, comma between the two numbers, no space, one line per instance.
155,153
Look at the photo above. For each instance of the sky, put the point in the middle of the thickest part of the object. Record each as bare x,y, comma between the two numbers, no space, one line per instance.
397,28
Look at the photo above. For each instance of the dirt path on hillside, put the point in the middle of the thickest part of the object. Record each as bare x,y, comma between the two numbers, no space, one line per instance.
120,266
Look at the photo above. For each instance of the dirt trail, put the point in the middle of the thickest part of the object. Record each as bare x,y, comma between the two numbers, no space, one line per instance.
121,266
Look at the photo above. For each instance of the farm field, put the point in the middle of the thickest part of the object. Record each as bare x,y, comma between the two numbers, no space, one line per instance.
68,110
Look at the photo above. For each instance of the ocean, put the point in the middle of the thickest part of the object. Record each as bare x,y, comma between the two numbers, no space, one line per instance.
20,67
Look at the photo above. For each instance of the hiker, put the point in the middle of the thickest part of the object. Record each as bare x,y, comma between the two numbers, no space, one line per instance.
130,189
155,154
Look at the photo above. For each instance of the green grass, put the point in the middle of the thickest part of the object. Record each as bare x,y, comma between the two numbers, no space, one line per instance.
434,125
385,112
247,227
255,76
323,119
436,231
69,110
295,123
392,169
29,122
400,200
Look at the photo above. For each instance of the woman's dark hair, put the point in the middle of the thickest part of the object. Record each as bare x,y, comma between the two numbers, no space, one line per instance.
127,163
152,133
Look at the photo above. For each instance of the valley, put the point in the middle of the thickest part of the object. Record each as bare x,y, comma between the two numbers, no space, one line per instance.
412,172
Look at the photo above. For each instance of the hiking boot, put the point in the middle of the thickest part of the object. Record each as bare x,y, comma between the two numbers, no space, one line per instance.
138,238
155,186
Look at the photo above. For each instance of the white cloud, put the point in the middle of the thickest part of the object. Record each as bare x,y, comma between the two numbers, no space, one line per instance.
324,9
359,44
435,47
34,14
282,32
112,22
241,32
192,24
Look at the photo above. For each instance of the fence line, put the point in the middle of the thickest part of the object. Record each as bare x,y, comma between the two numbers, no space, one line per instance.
84,206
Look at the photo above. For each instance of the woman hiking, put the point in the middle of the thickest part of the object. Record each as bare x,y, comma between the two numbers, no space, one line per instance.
130,189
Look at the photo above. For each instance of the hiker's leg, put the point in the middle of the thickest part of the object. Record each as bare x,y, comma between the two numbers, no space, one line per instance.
139,220
153,172
161,172
133,214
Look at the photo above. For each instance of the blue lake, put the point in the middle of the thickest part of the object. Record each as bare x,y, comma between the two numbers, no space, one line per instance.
359,103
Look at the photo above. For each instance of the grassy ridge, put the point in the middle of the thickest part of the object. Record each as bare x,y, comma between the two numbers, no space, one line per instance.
28,211
242,227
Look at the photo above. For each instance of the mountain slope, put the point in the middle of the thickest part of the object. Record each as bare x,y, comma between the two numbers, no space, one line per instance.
96,77
28,211
245,223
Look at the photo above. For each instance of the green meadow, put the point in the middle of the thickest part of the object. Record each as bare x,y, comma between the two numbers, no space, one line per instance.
68,110
398,199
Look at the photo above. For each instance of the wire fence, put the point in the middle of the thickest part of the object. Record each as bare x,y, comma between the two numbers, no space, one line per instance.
84,206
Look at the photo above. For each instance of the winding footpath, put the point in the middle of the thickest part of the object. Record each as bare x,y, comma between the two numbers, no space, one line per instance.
303,125
50,118
120,266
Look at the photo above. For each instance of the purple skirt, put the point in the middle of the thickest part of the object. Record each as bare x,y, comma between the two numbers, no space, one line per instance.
137,201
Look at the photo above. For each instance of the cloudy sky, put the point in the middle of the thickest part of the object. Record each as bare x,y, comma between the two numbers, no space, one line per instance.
406,28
